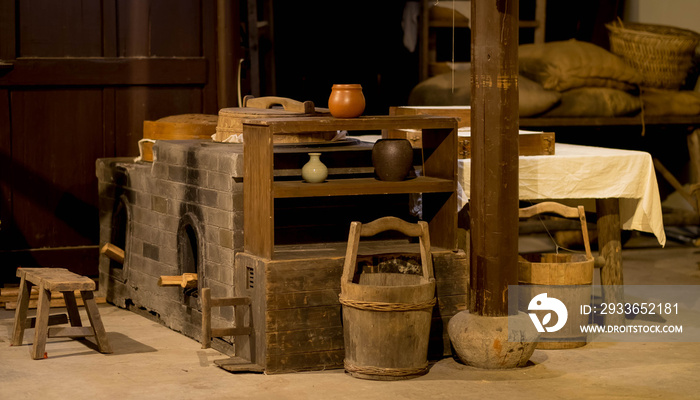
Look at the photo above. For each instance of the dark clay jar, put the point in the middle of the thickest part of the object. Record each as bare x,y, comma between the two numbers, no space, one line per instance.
392,159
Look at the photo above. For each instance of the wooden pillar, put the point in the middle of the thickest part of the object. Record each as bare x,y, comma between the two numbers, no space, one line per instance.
228,51
494,163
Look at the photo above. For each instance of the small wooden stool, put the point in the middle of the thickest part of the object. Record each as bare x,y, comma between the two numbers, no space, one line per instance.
66,282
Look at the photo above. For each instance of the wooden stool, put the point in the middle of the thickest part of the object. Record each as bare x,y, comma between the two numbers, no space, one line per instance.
66,282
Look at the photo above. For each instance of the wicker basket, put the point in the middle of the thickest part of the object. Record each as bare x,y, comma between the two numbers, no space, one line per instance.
663,54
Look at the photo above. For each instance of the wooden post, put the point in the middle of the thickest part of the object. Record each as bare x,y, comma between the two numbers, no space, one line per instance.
228,38
494,166
253,48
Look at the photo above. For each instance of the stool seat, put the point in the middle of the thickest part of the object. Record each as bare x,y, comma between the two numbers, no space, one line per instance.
66,282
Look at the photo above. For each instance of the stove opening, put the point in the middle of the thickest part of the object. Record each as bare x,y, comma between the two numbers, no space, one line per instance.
119,221
190,257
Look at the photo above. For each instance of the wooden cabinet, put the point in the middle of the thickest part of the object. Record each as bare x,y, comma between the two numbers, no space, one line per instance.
438,180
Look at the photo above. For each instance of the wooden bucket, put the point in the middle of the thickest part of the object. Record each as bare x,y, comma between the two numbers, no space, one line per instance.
567,277
386,316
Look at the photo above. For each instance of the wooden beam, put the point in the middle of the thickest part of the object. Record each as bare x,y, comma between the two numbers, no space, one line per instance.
105,71
494,167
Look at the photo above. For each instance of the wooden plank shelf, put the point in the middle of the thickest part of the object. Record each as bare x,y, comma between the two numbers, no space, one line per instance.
365,123
690,120
260,188
360,186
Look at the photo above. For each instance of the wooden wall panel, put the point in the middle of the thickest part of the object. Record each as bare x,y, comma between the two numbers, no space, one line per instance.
6,218
49,28
82,77
57,136
139,103
7,30
156,28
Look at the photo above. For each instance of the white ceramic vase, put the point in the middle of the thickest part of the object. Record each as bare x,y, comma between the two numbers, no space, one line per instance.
314,171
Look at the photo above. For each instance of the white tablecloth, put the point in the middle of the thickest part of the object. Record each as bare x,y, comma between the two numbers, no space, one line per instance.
586,173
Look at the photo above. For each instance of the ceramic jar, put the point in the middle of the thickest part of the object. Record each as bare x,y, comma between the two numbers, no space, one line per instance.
392,159
314,171
346,101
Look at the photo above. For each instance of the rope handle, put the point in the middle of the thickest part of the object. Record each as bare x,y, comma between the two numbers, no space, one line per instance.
564,211
357,230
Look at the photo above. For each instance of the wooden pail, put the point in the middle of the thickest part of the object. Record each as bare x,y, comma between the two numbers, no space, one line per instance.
567,277
386,316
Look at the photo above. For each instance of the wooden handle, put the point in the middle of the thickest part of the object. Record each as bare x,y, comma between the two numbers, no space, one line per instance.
383,224
186,280
306,107
113,252
564,211
549,207
391,223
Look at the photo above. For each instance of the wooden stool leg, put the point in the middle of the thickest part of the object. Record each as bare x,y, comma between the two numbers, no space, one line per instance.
96,322
25,290
42,323
72,308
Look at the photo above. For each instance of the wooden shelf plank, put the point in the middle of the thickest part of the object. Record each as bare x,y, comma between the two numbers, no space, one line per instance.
360,186
609,121
291,125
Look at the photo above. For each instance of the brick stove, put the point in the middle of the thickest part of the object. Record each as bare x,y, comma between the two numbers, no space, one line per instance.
179,214
183,213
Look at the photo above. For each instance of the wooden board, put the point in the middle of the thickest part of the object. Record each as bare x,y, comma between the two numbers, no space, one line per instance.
530,144
462,113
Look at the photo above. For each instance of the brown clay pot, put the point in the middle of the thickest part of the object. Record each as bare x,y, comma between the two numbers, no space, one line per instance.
392,159
346,101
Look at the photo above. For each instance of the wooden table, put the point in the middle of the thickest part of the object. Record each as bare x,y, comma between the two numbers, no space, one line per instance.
654,134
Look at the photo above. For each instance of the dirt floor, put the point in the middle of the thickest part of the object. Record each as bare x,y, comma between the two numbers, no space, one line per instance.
154,362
